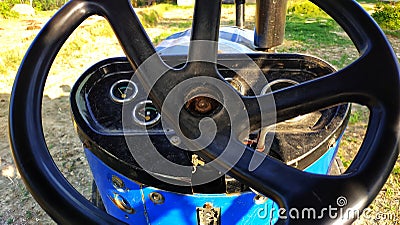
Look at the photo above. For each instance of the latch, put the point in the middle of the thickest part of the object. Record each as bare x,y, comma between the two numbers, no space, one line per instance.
208,215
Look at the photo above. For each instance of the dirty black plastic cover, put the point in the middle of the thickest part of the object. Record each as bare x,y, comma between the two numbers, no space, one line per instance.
99,118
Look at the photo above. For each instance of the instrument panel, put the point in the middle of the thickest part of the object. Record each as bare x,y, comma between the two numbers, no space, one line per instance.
112,101
110,107
110,94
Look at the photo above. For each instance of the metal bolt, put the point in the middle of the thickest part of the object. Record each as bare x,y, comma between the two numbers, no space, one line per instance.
175,140
203,105
118,183
208,205
156,198
260,199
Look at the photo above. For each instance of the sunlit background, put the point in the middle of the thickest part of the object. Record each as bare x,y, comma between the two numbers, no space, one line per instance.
308,30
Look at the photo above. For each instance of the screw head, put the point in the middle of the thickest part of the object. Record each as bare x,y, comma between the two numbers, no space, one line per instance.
175,140
156,198
118,184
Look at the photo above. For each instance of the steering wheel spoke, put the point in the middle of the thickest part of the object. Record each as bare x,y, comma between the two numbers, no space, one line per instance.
292,189
290,102
129,31
361,82
205,31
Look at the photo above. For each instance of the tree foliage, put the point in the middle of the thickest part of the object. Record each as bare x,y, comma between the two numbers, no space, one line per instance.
387,15
5,10
45,5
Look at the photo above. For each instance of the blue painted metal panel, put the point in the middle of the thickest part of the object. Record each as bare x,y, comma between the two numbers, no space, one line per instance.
181,209
323,164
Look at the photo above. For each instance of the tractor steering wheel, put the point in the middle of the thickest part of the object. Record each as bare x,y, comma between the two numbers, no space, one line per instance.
372,80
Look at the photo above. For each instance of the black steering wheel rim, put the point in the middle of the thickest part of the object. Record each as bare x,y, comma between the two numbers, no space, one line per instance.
360,184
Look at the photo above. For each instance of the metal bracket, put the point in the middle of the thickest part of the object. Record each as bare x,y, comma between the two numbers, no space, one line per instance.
196,161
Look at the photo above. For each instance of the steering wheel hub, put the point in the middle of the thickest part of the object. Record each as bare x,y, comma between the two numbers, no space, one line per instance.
202,105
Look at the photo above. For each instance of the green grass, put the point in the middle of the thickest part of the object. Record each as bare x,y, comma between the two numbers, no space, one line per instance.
358,116
305,8
28,214
310,30
44,14
171,28
100,28
368,1
149,17
314,31
343,61
394,33
10,220
9,63
309,25
346,162
396,170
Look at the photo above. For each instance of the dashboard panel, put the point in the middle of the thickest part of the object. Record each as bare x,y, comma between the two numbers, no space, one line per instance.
109,104
111,90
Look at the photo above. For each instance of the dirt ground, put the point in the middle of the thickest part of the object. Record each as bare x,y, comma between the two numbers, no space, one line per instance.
16,204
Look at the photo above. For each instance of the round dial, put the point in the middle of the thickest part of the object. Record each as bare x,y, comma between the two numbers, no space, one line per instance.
146,114
278,84
123,91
